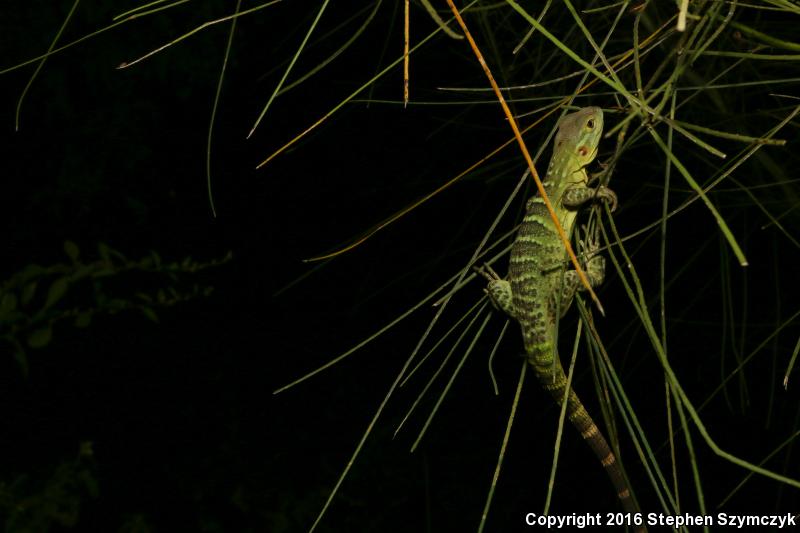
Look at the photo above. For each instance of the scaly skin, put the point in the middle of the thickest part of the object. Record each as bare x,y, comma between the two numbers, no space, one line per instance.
538,291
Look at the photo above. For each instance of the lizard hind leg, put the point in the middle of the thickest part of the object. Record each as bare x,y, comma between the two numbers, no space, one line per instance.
498,290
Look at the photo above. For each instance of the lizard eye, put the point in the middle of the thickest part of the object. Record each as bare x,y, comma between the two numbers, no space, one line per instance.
590,124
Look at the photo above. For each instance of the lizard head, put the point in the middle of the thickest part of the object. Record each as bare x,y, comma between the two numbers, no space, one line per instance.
579,134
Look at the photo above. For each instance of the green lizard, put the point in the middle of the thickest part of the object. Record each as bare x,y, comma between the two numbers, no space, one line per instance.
538,291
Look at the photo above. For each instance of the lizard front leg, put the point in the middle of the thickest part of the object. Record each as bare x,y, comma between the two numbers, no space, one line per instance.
595,268
577,196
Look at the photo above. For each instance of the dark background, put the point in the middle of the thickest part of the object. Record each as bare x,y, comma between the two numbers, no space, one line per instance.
184,429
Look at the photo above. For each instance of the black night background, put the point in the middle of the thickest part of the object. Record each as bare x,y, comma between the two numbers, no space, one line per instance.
143,337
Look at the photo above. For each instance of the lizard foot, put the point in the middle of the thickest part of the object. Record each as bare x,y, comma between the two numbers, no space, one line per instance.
608,196
498,289
589,243
588,247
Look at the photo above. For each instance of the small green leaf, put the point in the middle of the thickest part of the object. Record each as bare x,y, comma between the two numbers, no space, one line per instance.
72,250
31,271
144,297
156,258
117,304
149,313
8,303
104,251
104,272
56,291
28,292
83,271
118,255
86,449
90,483
40,337
83,319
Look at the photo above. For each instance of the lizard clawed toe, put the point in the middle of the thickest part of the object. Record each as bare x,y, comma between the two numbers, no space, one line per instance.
487,272
497,289
589,244
608,196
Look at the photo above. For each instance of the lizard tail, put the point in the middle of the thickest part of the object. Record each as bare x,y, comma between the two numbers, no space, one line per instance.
551,375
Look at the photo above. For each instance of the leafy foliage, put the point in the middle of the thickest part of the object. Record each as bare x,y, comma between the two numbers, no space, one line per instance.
37,298
35,505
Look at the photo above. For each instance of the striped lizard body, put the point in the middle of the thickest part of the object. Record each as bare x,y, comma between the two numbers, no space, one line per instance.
538,291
